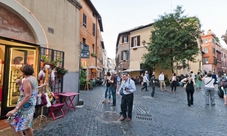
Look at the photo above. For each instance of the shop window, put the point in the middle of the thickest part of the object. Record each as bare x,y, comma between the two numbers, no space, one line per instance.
18,57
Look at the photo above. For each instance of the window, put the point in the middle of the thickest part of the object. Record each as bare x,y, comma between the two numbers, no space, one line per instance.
205,60
213,40
215,60
124,55
84,40
205,40
124,39
214,51
93,48
84,20
135,41
205,50
93,29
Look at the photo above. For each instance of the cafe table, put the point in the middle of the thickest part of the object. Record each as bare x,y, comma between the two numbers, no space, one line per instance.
68,98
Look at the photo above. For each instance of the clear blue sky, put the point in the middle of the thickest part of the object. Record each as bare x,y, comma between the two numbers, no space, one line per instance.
120,15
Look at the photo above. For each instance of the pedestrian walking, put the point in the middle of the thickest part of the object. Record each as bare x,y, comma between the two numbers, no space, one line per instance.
113,87
161,79
174,82
127,89
145,81
107,90
209,89
21,117
198,81
190,83
153,84
214,76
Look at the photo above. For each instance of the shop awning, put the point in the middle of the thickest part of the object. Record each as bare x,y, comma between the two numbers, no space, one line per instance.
132,70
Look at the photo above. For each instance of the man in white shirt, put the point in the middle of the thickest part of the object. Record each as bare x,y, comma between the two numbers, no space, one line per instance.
161,79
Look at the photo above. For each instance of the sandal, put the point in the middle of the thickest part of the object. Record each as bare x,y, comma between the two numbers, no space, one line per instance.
103,101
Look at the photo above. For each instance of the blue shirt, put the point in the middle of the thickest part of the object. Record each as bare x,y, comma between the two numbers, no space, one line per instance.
130,84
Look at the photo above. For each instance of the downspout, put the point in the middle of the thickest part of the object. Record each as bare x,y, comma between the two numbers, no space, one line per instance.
96,38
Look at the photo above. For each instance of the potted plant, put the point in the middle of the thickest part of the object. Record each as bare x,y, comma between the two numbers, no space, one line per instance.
93,55
61,72
45,60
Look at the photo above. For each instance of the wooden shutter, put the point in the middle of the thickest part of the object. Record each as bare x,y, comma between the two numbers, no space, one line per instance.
121,55
122,39
132,43
126,38
138,40
127,55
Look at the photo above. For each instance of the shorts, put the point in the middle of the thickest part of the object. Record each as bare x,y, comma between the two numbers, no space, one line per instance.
224,91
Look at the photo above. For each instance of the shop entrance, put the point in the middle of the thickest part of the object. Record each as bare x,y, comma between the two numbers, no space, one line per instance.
13,55
2,58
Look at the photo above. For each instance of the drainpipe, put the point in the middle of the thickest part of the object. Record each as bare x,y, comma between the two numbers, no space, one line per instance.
96,38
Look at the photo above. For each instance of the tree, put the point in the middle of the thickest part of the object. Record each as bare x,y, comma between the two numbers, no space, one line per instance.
83,77
173,40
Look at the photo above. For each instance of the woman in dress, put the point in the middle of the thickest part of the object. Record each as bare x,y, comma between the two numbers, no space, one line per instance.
189,88
21,117
198,81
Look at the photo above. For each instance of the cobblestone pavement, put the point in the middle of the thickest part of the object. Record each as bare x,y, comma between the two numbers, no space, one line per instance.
165,115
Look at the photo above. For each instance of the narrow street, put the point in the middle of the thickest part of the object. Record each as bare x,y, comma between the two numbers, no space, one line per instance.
165,115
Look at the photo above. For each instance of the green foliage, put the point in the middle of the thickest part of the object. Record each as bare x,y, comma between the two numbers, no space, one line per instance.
83,77
45,58
61,71
173,40
93,55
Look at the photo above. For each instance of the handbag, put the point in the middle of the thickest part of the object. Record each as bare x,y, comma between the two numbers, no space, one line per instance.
185,85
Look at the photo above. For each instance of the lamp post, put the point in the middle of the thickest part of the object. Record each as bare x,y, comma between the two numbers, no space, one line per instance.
80,51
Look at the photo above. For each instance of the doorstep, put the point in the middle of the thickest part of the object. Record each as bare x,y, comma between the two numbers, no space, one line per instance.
5,129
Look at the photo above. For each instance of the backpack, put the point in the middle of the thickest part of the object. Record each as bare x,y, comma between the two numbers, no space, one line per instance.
224,82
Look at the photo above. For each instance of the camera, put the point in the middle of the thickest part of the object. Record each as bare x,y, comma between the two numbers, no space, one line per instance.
126,88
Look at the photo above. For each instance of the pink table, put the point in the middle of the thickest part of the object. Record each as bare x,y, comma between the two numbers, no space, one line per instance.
68,98
0,94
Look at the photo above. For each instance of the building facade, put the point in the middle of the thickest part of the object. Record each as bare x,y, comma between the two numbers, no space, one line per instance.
212,53
26,27
90,36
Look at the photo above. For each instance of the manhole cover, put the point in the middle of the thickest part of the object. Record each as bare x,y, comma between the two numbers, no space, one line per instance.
143,116
110,116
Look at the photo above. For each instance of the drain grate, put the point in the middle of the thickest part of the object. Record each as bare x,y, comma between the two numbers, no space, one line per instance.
110,116
143,116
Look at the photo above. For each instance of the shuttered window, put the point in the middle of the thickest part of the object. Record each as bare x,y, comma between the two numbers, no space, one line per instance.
124,39
84,20
93,29
125,55
135,41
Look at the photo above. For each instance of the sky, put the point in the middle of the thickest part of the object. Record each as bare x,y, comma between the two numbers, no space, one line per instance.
121,15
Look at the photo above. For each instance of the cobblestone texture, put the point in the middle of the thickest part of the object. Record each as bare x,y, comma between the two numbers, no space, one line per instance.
165,115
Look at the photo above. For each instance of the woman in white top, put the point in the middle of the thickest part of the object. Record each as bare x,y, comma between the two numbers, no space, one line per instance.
174,82
209,89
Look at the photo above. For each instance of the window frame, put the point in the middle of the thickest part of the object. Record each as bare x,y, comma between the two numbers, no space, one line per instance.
84,20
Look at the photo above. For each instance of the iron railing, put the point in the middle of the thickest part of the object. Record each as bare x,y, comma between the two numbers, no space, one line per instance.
54,55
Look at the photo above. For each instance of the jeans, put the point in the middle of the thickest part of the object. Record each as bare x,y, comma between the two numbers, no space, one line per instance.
144,86
107,91
153,90
209,95
113,91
